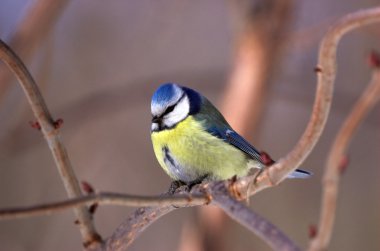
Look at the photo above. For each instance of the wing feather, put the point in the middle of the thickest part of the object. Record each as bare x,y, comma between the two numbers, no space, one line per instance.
238,141
233,138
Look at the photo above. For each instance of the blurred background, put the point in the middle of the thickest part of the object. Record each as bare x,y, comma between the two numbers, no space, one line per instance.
98,63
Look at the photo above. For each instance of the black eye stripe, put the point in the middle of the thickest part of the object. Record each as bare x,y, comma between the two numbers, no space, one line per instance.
171,108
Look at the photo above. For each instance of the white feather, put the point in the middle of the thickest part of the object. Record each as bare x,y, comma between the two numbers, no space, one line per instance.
180,112
154,127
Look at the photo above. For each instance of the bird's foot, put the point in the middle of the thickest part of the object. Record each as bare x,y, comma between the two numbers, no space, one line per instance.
175,186
198,181
180,186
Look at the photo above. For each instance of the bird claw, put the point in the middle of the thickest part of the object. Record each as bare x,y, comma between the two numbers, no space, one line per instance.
174,186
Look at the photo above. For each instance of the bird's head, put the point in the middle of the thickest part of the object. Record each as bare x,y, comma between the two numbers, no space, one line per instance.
172,103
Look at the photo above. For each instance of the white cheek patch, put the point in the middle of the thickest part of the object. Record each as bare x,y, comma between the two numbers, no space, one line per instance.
180,112
154,127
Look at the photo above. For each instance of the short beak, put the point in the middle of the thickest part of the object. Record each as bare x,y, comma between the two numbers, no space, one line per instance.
156,119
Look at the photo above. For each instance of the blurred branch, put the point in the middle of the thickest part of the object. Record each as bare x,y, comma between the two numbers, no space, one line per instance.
191,238
262,26
49,128
333,169
326,71
40,17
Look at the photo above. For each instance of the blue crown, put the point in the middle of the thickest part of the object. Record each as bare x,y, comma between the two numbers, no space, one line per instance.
166,93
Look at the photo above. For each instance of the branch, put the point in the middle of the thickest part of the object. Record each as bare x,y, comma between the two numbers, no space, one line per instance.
133,226
104,198
333,168
326,71
216,193
51,134
238,211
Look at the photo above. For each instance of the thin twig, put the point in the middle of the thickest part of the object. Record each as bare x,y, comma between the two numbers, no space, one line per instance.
104,198
51,134
332,172
326,72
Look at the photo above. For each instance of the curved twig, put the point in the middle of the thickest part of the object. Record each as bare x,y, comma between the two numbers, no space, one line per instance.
51,134
326,71
332,172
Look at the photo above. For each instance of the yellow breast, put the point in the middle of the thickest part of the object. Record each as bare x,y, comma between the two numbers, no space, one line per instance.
197,153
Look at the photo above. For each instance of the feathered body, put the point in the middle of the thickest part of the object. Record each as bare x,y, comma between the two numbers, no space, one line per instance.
192,140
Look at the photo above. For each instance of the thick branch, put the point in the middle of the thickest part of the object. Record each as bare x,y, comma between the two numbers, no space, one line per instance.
238,211
133,226
326,71
217,193
332,172
51,134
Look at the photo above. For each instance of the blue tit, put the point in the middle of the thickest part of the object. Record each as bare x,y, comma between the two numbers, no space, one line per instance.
193,141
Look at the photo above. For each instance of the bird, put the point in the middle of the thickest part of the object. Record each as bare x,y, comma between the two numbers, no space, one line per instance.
192,140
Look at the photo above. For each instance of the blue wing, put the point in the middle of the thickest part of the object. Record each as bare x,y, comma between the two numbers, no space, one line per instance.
215,123
236,140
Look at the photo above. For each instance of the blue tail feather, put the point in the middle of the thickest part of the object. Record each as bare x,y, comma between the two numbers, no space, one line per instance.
299,174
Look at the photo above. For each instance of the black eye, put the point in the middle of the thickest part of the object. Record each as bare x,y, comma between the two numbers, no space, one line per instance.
169,109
